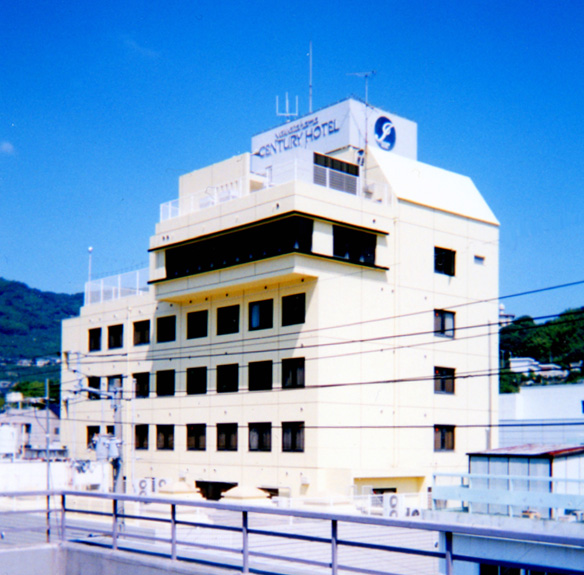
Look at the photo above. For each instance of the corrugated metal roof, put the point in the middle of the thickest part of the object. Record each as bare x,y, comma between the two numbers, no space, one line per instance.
533,450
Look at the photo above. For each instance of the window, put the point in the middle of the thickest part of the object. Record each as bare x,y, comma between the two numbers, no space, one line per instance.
443,323
165,329
94,383
293,436
261,314
115,336
227,437
227,378
141,436
92,431
196,437
260,437
197,322
111,430
141,384
479,260
444,261
165,437
355,246
142,332
95,339
259,375
196,380
293,372
443,380
293,309
227,320
444,438
165,382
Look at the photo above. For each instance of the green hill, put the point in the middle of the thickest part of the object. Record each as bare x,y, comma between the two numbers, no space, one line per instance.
30,320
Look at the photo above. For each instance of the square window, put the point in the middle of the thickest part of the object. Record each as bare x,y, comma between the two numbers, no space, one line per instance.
197,322
165,329
259,375
165,382
196,437
227,320
227,378
141,384
443,323
196,380
111,430
165,437
444,261
142,332
92,433
227,437
95,339
293,436
115,336
293,372
293,309
443,380
444,438
114,383
261,314
260,437
94,383
141,436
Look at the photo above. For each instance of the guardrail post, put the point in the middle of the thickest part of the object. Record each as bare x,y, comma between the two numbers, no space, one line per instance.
173,531
115,526
244,532
63,522
448,552
334,547
48,518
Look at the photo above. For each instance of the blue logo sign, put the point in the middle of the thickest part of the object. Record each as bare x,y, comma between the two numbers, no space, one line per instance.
384,133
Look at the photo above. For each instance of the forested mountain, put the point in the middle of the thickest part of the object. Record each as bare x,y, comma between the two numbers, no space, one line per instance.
30,320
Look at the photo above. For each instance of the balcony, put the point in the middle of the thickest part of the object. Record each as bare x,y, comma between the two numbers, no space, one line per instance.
300,169
117,287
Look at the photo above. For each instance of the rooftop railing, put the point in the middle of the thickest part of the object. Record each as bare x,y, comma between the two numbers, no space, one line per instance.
278,174
262,538
117,287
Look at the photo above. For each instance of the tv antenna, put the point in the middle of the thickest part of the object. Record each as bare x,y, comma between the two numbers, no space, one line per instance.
288,114
365,75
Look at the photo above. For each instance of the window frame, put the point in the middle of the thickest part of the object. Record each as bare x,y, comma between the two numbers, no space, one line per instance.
293,309
166,329
115,336
228,319
227,378
263,378
165,437
91,382
293,373
444,380
141,436
91,431
442,319
165,388
195,323
141,335
196,437
194,385
444,261
227,436
260,436
293,436
263,318
444,438
94,339
141,388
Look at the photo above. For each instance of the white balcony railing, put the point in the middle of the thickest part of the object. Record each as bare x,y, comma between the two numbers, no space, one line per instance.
280,173
117,287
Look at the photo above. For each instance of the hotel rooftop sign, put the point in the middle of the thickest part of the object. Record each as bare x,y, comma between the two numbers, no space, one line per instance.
348,123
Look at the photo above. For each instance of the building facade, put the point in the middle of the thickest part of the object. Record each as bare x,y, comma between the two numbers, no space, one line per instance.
320,316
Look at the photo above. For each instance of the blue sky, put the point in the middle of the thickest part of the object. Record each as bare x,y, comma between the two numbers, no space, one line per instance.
104,105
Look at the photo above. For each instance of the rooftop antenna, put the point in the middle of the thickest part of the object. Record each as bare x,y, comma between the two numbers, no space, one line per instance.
287,113
310,78
365,75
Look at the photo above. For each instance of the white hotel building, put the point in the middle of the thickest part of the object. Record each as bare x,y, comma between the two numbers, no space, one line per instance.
319,316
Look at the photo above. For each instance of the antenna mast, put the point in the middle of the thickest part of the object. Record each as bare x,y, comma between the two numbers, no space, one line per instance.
287,113
365,75
310,78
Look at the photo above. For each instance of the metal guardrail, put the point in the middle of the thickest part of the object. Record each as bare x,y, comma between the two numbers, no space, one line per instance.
114,530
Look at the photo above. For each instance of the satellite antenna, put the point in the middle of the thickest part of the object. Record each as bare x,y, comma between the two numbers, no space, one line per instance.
365,75
287,113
